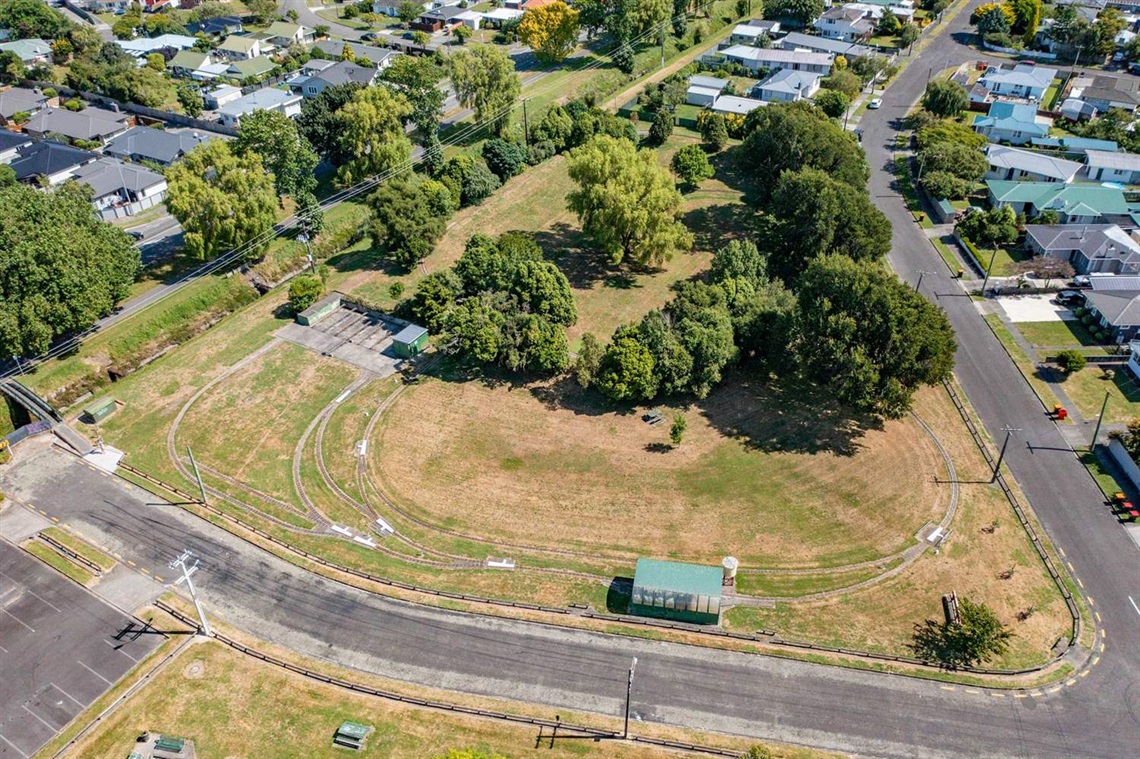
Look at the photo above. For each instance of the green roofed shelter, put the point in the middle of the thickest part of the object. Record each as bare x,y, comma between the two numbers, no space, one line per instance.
678,591
410,341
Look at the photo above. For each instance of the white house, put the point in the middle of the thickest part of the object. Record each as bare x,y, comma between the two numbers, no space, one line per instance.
1105,166
239,48
844,23
1025,80
144,46
735,105
754,59
284,34
786,86
748,34
219,96
1090,248
1025,165
121,189
704,90
266,99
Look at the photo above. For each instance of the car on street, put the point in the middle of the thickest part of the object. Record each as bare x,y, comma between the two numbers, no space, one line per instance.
875,103
136,234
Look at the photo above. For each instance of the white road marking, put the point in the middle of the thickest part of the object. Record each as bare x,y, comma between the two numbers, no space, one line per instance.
47,724
13,616
119,647
1134,606
31,592
73,698
81,664
13,745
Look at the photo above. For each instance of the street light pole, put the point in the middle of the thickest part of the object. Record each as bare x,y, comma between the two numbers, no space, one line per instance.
921,274
180,563
629,696
304,237
1001,456
988,270
1099,422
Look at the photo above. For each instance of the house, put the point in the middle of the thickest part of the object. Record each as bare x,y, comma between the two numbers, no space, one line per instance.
1102,93
121,189
162,146
1024,165
731,104
1090,248
239,48
31,51
253,68
755,59
379,57
1074,203
1025,80
750,33
801,41
1105,166
1079,145
144,46
105,6
787,86
1012,122
284,34
154,6
1075,109
267,99
472,19
438,19
11,143
50,161
341,72
979,94
216,27
496,17
875,12
219,96
19,100
704,90
389,8
90,124
844,23
1115,311
190,64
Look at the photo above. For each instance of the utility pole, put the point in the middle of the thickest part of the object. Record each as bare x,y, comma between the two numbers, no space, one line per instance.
662,43
629,696
19,366
304,237
921,274
1099,422
988,270
197,475
1001,456
180,563
526,126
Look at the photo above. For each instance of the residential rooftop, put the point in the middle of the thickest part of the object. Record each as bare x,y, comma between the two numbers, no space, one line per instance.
1029,161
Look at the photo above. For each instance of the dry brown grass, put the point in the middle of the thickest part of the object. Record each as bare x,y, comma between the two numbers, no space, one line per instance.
773,485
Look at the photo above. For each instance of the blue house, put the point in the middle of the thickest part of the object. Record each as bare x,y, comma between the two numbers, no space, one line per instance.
1014,123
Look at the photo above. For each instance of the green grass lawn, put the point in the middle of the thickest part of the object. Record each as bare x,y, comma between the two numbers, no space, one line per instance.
81,547
1087,388
56,560
1065,333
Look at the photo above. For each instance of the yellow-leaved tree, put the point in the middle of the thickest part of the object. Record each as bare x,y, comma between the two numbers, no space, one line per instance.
550,30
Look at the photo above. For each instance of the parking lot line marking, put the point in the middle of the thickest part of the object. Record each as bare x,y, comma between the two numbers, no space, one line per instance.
948,687
1095,660
1061,551
73,698
81,664
119,647
1084,674
158,578
144,570
42,512
1020,695
13,745
1071,681
3,649
1080,583
131,563
1097,613
54,519
1090,600
972,690
40,598
1134,606
47,724
998,695
1054,690
1035,693
13,616
1069,564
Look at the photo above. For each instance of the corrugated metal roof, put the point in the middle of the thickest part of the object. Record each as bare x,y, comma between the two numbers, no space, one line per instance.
678,576
1109,160
409,334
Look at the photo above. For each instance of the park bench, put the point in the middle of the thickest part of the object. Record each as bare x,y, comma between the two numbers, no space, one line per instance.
351,735
653,417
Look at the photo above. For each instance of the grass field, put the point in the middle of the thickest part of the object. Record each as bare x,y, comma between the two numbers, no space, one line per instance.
1068,333
81,547
775,479
1023,361
1087,388
881,618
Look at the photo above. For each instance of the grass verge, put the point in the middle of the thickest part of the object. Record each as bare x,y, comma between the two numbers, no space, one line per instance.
59,562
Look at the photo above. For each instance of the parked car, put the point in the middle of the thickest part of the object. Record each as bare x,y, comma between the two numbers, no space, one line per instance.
1082,281
137,235
875,104
1069,297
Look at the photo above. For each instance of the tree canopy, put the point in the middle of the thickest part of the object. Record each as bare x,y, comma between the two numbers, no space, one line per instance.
284,152
372,134
62,267
803,11
221,199
976,638
867,335
627,203
944,98
484,78
320,124
32,18
405,221
550,30
417,78
691,165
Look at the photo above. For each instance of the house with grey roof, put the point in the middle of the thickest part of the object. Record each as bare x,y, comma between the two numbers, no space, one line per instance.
121,189
1100,93
266,99
704,90
1014,123
731,104
216,26
801,41
1090,248
91,124
31,51
844,23
51,162
341,72
751,32
1025,165
1115,311
11,143
756,59
19,100
379,57
1109,166
161,146
1024,80
787,86
144,46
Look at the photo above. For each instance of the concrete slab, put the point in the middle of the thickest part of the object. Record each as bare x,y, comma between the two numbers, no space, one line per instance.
363,340
18,523
108,459
126,589
1034,308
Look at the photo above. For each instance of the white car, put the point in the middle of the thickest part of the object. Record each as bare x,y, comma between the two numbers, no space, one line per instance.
875,104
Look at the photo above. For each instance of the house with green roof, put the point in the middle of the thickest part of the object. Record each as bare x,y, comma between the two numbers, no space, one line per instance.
239,48
1074,203
253,68
284,34
678,591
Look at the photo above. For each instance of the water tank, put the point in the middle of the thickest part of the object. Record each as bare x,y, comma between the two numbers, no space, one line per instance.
730,565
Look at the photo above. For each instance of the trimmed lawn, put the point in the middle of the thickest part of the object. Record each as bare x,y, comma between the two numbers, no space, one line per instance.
81,547
56,560
1088,387
1056,334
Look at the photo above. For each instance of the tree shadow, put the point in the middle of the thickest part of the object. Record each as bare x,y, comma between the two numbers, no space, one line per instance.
786,416
715,225
730,169
564,393
618,595
658,448
567,247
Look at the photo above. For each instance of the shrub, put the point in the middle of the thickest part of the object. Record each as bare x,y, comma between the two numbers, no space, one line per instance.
1071,361
662,127
479,184
504,159
304,291
943,184
691,164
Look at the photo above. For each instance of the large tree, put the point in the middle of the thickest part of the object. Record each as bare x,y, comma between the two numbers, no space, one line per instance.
811,214
550,30
222,200
61,269
372,135
963,162
945,98
797,136
484,78
977,636
404,221
32,18
284,152
417,78
801,11
320,124
626,371
627,202
868,336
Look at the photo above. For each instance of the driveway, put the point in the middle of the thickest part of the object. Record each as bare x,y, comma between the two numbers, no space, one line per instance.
1034,308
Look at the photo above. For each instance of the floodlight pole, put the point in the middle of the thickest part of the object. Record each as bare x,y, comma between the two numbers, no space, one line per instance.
197,475
19,365
1001,456
629,696
1099,422
180,563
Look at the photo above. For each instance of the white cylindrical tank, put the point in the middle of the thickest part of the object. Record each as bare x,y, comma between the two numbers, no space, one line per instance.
730,565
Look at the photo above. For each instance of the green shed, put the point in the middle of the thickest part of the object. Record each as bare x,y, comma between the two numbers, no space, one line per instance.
410,341
99,411
320,309
675,590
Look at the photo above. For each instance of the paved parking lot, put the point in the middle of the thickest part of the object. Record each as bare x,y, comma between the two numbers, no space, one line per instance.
1034,308
60,649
